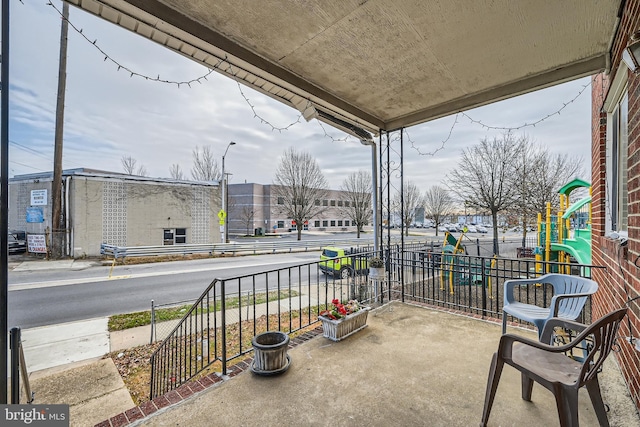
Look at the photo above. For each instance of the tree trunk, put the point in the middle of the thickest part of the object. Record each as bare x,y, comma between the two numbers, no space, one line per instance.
358,231
494,218
299,229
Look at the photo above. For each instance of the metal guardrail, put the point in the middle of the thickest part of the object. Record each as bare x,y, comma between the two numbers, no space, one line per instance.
234,248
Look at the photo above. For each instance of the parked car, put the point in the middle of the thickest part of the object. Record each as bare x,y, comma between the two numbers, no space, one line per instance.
349,262
481,229
16,245
471,229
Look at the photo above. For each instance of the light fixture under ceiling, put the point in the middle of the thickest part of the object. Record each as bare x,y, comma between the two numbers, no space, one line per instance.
631,55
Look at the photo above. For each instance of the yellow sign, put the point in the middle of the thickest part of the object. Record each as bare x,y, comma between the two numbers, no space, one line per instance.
222,222
222,215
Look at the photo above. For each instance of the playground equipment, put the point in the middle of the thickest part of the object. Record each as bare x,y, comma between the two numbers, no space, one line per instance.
457,269
555,242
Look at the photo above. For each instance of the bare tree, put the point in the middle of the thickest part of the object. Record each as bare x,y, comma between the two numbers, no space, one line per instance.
438,204
537,177
299,186
129,166
483,177
246,216
205,166
552,172
412,200
176,172
357,188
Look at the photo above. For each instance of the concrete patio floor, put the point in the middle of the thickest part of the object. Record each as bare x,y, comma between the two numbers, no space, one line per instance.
412,366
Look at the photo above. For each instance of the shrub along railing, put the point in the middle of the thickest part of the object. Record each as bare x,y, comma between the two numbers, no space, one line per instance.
221,324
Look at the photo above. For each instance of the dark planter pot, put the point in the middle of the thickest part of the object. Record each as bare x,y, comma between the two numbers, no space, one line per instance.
270,353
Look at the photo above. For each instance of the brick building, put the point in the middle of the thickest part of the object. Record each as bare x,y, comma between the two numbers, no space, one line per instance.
253,206
616,193
123,210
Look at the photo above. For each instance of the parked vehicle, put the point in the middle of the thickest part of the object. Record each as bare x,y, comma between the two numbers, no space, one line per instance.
481,229
348,262
16,245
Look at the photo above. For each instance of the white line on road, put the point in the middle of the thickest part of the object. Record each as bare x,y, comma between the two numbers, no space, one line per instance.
54,283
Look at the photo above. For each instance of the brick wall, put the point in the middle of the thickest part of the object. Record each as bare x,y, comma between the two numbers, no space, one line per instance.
621,279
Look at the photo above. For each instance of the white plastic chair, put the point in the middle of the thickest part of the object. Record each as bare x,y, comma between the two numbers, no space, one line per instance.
570,294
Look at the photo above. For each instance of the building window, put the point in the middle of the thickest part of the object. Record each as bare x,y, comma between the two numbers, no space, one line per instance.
317,202
280,224
181,236
325,202
346,203
617,151
316,223
339,223
346,223
340,203
333,223
167,238
174,236
281,200
325,223
333,203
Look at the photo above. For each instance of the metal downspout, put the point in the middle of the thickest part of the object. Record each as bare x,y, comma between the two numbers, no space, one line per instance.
66,217
374,193
402,208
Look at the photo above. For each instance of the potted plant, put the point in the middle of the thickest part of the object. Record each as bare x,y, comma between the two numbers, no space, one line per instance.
376,268
343,319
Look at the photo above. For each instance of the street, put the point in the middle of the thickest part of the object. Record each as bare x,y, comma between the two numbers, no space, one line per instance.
49,297
39,297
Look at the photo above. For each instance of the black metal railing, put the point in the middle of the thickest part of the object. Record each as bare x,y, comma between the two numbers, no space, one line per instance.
18,368
230,312
222,322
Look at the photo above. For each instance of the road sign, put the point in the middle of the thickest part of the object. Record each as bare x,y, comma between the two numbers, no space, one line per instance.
222,215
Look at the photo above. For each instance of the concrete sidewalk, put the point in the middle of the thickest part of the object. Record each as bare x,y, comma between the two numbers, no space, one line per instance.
66,365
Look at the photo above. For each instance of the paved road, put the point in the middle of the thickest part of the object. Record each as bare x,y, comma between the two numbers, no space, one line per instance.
38,297
45,297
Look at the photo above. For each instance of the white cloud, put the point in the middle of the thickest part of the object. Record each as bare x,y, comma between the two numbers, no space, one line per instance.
110,114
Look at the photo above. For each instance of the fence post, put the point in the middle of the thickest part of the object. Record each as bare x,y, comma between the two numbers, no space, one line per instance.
153,322
478,246
14,342
223,319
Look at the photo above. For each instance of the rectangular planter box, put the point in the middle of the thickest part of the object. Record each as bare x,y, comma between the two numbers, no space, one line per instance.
339,329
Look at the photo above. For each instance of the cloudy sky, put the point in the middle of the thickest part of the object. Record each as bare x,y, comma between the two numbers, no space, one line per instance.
110,114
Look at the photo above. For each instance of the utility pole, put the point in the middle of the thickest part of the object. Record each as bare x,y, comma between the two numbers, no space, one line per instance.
56,185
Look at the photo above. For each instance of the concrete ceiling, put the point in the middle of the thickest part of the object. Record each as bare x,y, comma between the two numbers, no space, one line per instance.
380,64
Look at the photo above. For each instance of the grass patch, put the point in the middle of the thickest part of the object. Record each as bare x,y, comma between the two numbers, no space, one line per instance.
120,322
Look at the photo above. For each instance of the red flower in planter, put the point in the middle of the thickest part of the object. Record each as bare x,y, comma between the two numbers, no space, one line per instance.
340,310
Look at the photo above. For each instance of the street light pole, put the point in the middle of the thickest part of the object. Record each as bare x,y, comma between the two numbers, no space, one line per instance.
225,234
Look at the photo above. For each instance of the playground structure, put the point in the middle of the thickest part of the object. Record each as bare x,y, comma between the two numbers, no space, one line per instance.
555,242
456,269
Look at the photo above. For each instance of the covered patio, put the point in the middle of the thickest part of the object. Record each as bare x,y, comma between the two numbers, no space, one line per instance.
412,365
